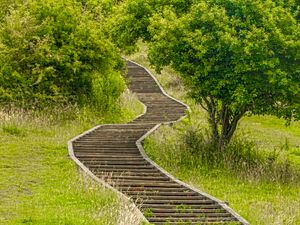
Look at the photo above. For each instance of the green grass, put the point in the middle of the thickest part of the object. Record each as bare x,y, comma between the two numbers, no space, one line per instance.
40,184
262,185
272,133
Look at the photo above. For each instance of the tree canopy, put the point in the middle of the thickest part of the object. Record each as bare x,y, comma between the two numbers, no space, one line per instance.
236,56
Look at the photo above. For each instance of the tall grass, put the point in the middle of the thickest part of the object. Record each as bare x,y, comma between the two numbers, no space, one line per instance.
188,146
39,184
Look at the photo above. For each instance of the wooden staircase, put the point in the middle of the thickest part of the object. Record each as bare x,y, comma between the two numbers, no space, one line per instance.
113,154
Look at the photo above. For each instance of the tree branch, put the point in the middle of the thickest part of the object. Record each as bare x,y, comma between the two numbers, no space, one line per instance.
212,114
205,108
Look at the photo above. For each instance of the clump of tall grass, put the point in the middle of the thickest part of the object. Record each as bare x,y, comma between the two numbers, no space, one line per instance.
13,130
13,118
130,105
119,211
190,147
241,156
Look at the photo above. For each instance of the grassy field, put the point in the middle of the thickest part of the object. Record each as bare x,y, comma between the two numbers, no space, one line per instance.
258,175
39,184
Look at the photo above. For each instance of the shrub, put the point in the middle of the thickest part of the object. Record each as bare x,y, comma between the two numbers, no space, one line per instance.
54,51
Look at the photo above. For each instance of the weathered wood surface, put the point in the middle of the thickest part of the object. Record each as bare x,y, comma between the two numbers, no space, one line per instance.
113,154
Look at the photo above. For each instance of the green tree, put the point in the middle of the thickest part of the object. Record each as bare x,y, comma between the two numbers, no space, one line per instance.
131,19
237,57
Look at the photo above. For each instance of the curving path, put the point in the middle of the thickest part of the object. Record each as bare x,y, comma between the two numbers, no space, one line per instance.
114,156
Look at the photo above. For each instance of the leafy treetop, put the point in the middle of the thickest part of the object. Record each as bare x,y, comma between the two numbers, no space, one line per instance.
237,56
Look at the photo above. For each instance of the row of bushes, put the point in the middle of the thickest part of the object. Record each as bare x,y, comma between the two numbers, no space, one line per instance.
57,52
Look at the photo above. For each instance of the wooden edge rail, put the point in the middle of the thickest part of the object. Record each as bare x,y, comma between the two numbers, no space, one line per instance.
97,179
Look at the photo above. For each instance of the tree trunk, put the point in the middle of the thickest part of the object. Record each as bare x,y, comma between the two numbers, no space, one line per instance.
229,122
213,119
223,122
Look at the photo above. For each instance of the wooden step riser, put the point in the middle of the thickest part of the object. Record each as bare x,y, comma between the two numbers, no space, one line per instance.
114,163
121,181
171,198
147,183
134,174
141,81
142,189
161,115
106,141
182,219
164,112
107,153
120,131
146,91
123,167
122,126
191,215
157,119
112,159
195,223
109,156
161,211
175,202
136,177
151,193
105,144
118,154
180,206
104,147
114,138
101,148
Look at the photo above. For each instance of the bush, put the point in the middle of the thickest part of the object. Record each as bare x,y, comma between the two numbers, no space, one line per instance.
55,51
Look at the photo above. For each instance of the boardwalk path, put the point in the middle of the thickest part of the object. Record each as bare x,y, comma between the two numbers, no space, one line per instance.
113,155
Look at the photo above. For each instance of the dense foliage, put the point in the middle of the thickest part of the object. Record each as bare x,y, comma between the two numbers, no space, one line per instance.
236,56
56,51
132,19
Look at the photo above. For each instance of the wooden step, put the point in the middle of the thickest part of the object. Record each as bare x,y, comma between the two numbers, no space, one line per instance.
121,158
192,214
136,178
121,166
127,170
114,163
189,219
109,154
148,184
157,206
162,193
208,211
170,197
176,202
146,188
